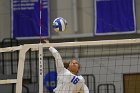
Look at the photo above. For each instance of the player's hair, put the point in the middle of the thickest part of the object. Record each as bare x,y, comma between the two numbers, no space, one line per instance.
66,64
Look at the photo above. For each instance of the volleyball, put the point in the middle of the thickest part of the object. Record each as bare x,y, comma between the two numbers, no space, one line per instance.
59,24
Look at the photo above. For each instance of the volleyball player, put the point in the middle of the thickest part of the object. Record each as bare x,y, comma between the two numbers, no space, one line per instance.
68,80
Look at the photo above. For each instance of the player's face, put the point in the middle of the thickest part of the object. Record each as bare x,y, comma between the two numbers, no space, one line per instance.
74,66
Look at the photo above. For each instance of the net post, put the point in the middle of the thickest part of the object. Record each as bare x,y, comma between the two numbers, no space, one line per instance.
40,68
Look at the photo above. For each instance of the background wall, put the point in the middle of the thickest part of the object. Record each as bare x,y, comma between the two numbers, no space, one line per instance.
5,19
80,15
137,3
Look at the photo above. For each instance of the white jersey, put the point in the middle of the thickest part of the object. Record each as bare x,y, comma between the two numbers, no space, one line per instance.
66,81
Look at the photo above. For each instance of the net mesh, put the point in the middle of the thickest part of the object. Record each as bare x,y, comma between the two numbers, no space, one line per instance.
108,67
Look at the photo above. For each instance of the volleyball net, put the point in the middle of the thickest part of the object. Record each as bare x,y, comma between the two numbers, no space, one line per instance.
108,66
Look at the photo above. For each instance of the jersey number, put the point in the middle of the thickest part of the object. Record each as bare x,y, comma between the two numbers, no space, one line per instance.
75,80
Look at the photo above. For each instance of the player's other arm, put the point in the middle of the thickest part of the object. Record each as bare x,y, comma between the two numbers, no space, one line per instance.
86,90
58,59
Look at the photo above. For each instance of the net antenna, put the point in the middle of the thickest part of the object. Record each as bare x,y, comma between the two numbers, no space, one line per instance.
40,16
39,47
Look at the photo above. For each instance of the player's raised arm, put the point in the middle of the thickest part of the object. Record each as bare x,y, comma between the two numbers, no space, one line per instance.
58,59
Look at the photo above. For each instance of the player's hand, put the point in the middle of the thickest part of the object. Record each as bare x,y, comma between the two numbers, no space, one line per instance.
46,41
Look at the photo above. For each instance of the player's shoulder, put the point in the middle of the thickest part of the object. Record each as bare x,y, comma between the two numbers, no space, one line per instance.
64,72
81,77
